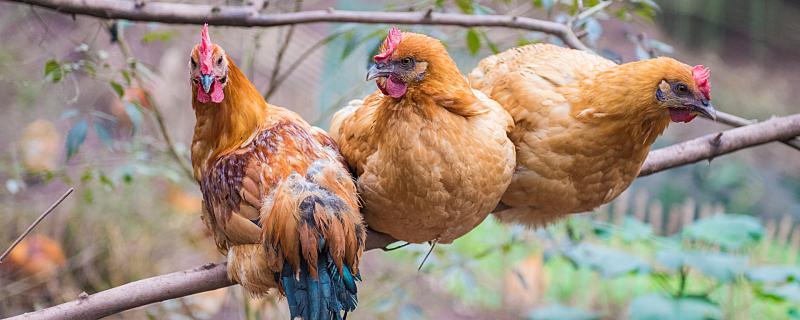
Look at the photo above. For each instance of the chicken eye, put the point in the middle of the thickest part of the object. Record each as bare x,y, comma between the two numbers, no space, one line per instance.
219,61
681,88
406,62
194,64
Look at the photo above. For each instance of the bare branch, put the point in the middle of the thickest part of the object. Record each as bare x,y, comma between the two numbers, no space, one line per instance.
138,293
737,121
35,223
716,144
245,16
214,276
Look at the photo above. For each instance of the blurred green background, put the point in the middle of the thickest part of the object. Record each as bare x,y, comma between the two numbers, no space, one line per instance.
83,98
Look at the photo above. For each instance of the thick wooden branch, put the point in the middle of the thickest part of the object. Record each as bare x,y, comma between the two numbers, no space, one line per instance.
241,16
214,276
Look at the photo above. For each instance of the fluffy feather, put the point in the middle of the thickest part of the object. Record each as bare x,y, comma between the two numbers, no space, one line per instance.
278,200
432,163
584,125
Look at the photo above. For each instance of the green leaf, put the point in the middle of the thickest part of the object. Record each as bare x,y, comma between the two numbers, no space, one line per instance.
53,71
69,113
473,41
492,46
117,88
465,6
774,274
88,67
127,76
104,180
102,132
439,4
650,4
135,115
793,314
350,44
546,4
787,292
659,307
634,230
162,36
76,136
723,267
729,231
560,312
609,262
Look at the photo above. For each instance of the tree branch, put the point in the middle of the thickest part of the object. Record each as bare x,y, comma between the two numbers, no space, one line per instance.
712,145
214,276
243,16
737,121
138,293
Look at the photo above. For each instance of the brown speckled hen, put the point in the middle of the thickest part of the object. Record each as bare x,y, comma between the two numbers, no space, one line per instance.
277,197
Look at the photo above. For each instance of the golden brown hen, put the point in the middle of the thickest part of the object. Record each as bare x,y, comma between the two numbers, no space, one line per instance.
432,156
584,124
277,195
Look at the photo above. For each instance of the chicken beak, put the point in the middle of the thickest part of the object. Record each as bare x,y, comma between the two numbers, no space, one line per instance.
706,109
379,70
206,80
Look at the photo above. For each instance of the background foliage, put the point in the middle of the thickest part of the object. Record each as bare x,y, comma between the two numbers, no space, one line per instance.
104,106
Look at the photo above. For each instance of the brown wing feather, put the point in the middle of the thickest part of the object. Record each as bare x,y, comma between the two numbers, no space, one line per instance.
270,190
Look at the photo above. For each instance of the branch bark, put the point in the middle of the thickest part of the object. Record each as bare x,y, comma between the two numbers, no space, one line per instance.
214,276
737,121
717,144
243,16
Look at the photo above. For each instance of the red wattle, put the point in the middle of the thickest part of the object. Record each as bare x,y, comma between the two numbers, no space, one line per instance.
395,88
216,95
681,115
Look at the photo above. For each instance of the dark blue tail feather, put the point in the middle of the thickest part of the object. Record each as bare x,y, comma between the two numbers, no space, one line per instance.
329,297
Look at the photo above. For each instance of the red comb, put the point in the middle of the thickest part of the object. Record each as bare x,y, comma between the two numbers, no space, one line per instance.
701,75
205,51
389,45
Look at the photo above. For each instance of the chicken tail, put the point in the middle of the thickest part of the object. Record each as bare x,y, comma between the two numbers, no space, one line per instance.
314,225
329,295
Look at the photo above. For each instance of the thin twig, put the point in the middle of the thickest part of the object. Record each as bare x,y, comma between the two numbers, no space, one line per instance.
276,68
593,10
35,223
162,128
275,84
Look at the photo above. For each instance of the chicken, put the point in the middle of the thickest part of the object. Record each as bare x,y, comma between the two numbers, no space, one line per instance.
432,156
278,198
584,125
